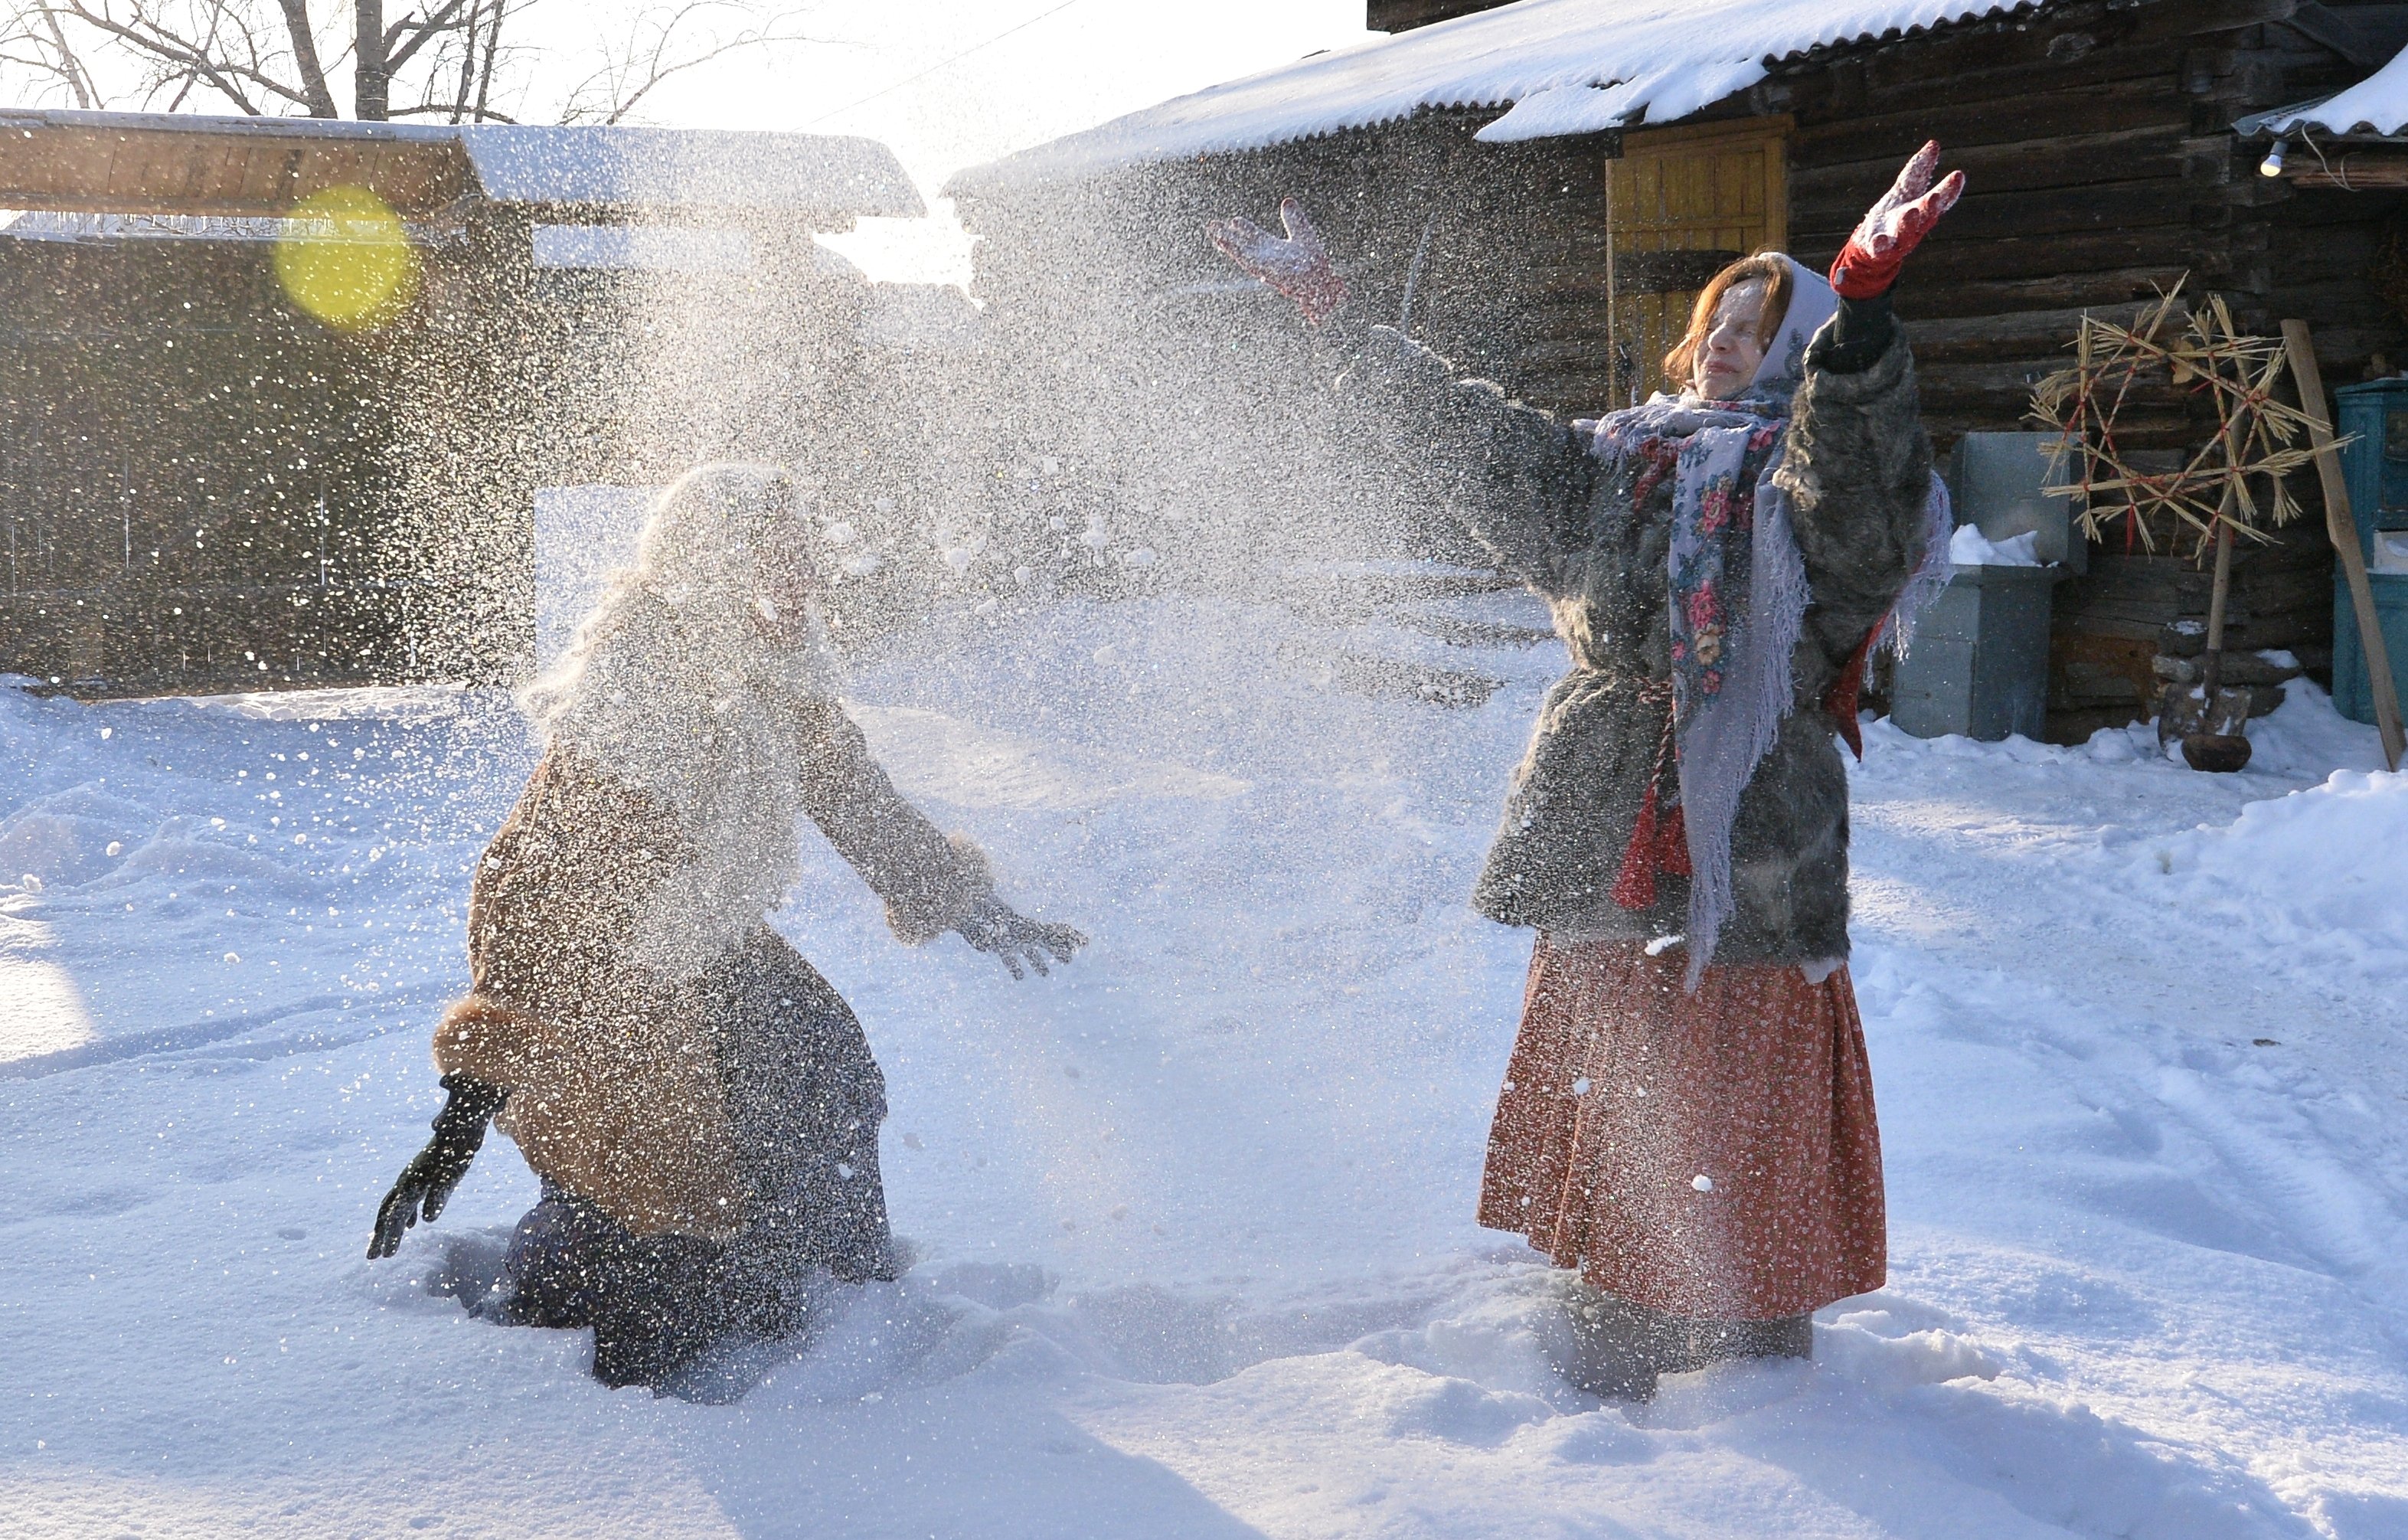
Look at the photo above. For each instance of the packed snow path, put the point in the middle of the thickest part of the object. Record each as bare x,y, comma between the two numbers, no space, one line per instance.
1193,1217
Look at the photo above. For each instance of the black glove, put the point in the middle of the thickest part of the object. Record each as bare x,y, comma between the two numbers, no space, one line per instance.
1857,337
426,1183
996,927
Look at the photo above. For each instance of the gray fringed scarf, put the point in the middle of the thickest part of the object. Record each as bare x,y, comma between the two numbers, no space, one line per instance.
1739,596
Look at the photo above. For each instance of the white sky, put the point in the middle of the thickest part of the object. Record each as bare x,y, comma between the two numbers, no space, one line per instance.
950,84
946,83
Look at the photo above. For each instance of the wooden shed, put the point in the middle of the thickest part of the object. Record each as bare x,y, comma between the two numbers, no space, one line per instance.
1537,189
204,485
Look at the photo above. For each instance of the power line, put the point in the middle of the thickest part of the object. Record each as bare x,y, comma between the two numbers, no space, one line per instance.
941,64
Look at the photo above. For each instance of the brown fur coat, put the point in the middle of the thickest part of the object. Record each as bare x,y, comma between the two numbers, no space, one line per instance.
611,1062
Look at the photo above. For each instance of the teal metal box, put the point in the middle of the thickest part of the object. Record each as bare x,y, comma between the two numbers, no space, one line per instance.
2374,417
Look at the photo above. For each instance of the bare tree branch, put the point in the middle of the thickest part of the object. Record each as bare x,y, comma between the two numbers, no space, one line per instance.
79,79
418,33
224,53
468,63
305,58
493,51
468,43
431,109
32,41
460,58
651,56
186,58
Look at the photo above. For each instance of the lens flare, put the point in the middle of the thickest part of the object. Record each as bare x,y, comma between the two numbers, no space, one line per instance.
346,258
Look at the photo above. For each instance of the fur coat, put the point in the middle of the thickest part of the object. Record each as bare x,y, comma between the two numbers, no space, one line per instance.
1857,470
651,839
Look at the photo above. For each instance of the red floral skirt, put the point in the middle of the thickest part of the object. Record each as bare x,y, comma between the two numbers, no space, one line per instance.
1709,1155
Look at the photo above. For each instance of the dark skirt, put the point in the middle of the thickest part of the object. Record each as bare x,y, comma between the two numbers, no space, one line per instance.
805,1100
1710,1155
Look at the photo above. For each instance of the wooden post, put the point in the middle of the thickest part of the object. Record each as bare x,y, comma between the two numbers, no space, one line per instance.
2211,671
2343,529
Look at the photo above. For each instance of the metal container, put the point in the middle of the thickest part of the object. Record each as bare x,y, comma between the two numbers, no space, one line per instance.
1996,482
2353,693
1978,661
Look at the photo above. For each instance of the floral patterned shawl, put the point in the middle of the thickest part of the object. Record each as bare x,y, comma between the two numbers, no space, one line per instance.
1739,596
1738,590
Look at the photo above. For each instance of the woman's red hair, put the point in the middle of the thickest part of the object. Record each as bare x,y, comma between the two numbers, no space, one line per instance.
1681,364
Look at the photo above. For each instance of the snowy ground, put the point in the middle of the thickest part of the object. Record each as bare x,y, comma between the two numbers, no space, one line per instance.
1193,1218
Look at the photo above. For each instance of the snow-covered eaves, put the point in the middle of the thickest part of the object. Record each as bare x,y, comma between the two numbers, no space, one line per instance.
689,167
191,167
2377,105
209,229
1559,66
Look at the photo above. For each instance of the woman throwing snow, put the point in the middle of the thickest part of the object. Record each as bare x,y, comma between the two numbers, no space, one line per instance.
1688,1115
702,1108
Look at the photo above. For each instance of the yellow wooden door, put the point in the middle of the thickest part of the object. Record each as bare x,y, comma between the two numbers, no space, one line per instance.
1718,188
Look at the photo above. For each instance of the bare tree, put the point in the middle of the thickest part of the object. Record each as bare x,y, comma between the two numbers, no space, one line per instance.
440,59
667,41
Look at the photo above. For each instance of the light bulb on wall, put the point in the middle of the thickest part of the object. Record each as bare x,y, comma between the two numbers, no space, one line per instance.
2272,164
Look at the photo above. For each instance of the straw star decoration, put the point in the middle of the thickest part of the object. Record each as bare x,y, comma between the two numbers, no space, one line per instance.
2256,436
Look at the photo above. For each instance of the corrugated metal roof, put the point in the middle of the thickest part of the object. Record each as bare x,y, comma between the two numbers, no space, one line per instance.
2377,105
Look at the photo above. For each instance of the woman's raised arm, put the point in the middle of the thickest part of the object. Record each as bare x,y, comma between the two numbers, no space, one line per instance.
1857,464
1517,478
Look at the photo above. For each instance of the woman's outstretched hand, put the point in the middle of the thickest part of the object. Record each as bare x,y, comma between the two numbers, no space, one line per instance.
1868,266
995,927
1297,267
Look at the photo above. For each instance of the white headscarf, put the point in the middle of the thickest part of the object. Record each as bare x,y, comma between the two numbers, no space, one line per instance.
672,687
1811,302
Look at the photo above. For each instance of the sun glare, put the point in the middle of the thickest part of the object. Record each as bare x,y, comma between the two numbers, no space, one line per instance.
346,258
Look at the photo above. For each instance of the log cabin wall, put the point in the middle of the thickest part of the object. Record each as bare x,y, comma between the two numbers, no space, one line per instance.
192,475
1116,324
1405,15
2096,138
203,488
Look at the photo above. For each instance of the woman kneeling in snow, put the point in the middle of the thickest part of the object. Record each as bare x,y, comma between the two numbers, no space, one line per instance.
1688,1113
701,1106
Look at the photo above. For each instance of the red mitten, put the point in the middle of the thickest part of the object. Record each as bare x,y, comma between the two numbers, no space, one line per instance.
1894,226
1297,267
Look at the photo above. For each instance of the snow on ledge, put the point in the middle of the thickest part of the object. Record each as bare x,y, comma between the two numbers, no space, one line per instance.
1563,67
2378,104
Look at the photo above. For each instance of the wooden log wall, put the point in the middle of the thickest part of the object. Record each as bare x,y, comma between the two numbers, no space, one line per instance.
191,475
2096,135
1404,15
2134,182
2097,141
203,489
1126,345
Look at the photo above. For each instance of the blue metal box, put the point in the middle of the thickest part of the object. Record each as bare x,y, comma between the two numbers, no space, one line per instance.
2375,465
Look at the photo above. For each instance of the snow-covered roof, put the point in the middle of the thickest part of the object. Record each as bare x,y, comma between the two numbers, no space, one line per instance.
2377,105
691,167
1564,67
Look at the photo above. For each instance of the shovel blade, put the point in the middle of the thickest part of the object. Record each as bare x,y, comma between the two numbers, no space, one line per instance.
2220,753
